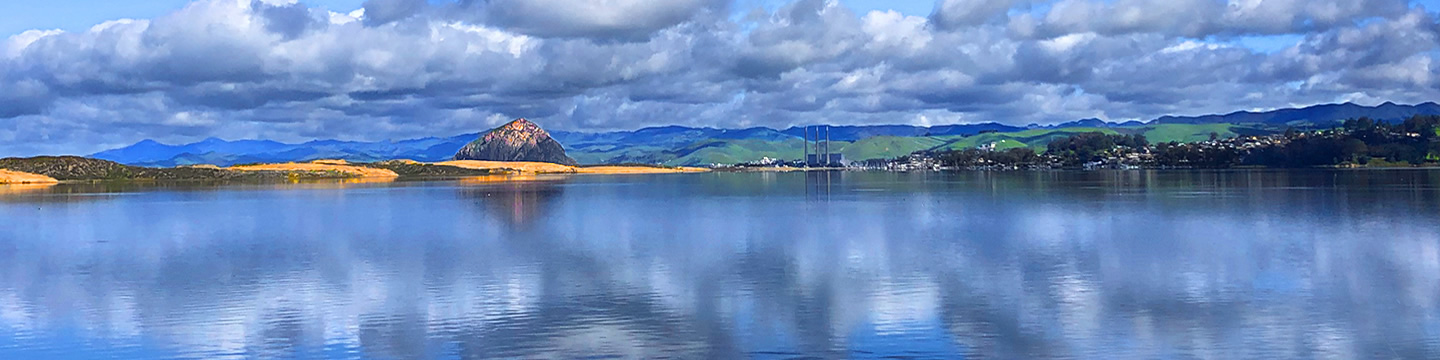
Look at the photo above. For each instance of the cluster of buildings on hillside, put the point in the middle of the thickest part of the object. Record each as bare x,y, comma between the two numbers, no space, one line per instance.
987,157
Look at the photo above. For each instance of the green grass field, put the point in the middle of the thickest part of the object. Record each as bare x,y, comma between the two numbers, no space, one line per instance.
888,147
1185,133
737,151
1035,139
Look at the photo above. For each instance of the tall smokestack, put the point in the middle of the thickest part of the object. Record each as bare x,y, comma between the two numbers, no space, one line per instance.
806,145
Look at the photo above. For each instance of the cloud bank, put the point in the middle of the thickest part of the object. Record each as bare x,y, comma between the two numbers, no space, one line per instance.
278,69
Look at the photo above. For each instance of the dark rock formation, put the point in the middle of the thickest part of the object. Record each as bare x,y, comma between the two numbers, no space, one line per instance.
520,140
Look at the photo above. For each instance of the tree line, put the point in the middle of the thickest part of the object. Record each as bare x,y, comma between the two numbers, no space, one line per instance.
1361,141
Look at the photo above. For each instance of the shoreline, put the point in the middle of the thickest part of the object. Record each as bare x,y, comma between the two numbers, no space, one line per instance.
552,168
392,170
72,169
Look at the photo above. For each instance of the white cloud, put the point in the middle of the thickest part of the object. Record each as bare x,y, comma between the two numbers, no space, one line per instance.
280,70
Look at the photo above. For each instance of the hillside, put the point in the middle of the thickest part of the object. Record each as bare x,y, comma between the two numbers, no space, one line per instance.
1318,115
1035,138
679,145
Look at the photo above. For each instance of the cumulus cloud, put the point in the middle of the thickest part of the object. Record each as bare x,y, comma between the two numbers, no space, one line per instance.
591,18
278,69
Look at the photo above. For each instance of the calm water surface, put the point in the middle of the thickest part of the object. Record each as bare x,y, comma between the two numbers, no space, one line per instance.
1103,265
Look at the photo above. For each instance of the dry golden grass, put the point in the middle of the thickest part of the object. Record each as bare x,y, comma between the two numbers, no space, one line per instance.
549,168
16,177
331,162
345,169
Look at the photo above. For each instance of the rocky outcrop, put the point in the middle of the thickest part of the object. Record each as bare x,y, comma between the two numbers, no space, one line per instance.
520,140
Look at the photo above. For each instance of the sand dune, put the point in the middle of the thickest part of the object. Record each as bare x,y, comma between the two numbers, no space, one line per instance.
549,168
359,171
16,177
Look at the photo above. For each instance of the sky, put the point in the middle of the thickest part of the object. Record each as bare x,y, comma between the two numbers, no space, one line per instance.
79,76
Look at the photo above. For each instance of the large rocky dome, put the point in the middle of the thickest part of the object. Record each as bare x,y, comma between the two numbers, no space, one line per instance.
520,140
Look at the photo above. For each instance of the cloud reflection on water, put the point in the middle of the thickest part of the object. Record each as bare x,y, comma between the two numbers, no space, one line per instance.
1036,265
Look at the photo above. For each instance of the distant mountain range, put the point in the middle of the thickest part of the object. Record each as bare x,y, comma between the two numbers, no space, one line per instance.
678,145
1309,116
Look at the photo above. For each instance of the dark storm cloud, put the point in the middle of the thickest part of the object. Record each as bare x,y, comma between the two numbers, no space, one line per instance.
401,68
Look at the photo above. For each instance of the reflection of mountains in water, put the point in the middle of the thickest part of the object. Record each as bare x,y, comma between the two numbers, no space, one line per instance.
518,202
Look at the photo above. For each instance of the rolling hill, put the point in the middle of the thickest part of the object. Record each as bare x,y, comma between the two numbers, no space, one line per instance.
679,145
1318,115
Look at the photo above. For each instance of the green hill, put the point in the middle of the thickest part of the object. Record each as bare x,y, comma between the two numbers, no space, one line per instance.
887,147
736,151
733,151
1035,138
1191,132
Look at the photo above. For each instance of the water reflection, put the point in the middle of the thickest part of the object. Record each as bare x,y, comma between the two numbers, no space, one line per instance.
518,201
981,265
14,189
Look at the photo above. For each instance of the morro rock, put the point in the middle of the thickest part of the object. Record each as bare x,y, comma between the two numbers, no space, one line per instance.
520,140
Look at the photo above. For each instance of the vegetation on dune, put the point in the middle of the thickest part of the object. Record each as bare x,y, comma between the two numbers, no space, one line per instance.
73,168
411,168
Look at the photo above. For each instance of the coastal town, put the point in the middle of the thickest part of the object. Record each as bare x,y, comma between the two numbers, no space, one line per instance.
1357,143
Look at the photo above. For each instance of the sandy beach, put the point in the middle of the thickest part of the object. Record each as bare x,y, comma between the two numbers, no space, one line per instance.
16,177
321,165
